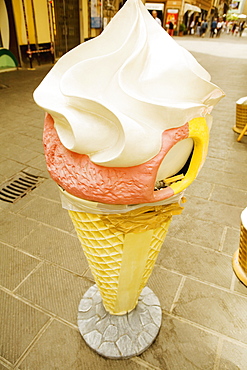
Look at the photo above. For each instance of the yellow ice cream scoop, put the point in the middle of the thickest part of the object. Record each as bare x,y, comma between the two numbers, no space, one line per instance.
198,131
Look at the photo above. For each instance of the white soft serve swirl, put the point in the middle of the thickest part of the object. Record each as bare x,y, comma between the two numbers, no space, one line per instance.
113,96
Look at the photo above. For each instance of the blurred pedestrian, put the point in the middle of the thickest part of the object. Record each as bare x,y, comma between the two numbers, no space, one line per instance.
241,28
224,28
192,25
236,32
234,26
213,27
170,28
198,27
219,28
228,27
203,28
155,15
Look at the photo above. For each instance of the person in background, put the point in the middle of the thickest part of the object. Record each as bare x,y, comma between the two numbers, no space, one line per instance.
213,27
236,32
229,27
155,15
203,28
192,25
170,28
224,29
234,26
219,28
198,27
241,28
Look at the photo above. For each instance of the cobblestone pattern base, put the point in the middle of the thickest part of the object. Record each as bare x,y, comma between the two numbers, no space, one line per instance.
119,337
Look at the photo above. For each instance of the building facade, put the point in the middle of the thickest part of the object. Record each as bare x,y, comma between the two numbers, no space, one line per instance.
39,31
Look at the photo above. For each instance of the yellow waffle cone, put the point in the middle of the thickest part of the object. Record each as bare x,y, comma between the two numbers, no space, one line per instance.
122,256
120,263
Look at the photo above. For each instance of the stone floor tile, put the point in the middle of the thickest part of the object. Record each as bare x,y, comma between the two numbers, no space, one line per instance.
226,133
55,290
39,163
231,240
48,212
199,189
37,172
36,145
48,189
216,176
213,211
31,131
56,246
239,156
14,266
38,116
239,168
18,205
9,168
2,178
192,260
239,146
11,151
223,141
224,194
216,309
19,325
23,141
164,284
238,286
197,231
6,123
5,366
233,357
62,347
88,274
14,227
180,345
217,154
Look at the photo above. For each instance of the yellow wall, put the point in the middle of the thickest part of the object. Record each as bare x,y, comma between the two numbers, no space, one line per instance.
42,22
40,9
85,18
19,21
245,8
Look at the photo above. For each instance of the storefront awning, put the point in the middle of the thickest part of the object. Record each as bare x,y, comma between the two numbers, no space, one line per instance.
192,8
155,6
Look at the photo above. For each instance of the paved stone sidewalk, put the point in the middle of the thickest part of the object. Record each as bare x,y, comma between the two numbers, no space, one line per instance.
44,274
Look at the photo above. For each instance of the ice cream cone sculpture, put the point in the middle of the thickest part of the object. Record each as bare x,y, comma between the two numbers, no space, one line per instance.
127,125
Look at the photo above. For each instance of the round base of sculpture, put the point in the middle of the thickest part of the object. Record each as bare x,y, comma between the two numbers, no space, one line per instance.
240,273
238,130
119,337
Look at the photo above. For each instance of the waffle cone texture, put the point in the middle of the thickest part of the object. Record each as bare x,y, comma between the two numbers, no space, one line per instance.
121,254
240,257
243,249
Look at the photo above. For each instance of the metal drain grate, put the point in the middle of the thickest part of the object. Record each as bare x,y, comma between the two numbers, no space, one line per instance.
18,186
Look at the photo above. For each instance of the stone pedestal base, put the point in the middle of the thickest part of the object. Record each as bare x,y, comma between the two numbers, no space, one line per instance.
119,337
